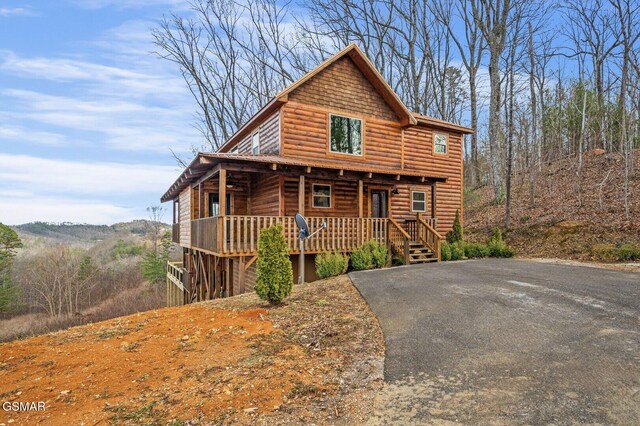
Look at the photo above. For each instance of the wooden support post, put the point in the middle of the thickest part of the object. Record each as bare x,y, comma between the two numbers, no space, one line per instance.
241,275
360,199
222,192
200,201
433,201
301,195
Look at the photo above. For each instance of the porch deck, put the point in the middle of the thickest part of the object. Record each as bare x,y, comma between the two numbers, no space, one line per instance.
236,235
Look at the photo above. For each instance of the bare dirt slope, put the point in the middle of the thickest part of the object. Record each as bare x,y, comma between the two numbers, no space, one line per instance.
316,358
571,216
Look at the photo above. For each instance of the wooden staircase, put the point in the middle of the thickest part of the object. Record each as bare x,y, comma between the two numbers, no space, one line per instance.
420,253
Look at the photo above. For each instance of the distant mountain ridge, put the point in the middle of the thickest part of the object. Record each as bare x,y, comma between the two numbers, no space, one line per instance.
67,231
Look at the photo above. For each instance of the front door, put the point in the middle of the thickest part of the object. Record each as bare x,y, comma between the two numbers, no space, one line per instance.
379,209
379,203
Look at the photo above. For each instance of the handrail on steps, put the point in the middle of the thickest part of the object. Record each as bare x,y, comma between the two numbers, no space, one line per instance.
406,239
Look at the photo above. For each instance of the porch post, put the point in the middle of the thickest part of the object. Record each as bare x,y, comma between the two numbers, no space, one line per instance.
360,200
301,195
200,201
222,191
433,203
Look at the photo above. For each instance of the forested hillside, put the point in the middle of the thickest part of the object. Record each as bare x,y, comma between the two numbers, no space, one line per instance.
560,212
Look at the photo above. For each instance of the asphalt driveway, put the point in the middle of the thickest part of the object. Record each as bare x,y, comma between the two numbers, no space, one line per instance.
507,341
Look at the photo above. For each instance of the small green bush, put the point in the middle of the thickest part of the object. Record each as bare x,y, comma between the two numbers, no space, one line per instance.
331,264
620,253
274,272
445,251
628,252
455,235
457,251
475,250
361,259
497,247
370,255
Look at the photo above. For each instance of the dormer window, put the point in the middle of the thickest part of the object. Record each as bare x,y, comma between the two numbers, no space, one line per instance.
346,135
255,143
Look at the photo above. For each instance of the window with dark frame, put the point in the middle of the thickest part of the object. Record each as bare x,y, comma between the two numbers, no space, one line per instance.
418,201
321,194
440,143
346,135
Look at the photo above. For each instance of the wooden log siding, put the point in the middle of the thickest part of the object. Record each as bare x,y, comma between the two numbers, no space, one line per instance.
419,156
269,132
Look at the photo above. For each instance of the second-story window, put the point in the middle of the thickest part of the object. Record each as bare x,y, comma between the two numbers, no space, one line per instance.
255,143
346,135
440,143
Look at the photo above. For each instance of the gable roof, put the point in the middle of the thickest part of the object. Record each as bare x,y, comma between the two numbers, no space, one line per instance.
369,71
363,64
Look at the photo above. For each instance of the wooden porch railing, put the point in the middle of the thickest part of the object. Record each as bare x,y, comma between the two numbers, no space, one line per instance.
428,236
399,240
175,233
238,235
175,284
241,233
204,233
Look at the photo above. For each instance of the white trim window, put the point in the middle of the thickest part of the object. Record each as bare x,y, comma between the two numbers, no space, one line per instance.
255,143
345,135
321,194
440,143
418,201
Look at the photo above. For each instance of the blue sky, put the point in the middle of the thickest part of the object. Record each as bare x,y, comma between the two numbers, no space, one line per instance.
87,113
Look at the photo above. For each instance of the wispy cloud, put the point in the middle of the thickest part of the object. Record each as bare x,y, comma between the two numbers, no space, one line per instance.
128,4
6,12
52,176
18,210
42,189
21,135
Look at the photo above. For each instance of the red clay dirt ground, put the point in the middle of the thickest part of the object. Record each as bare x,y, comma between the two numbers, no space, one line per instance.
571,217
316,358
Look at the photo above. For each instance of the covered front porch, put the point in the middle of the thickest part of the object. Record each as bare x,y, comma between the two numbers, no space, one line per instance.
236,198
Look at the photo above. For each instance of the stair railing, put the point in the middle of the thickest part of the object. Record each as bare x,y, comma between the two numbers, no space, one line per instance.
428,236
399,240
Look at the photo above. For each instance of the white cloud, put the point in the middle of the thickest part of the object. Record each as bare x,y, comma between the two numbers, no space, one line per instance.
49,176
5,12
41,189
21,134
17,210
128,4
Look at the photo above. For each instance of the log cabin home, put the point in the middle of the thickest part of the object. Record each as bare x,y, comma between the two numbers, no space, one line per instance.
337,146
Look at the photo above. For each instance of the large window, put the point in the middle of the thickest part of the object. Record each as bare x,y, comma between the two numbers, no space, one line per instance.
440,143
255,143
418,201
321,196
346,135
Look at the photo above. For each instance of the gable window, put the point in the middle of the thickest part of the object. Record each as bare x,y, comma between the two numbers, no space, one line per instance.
346,135
440,143
418,201
321,196
255,143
